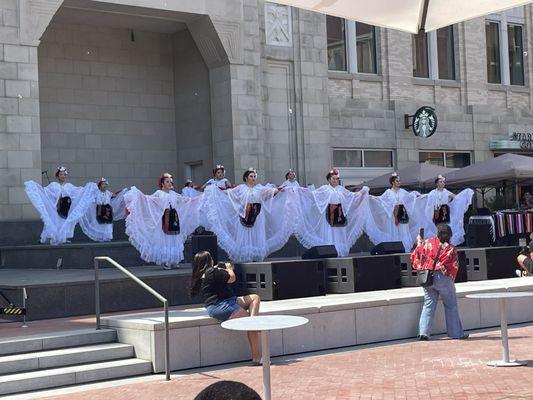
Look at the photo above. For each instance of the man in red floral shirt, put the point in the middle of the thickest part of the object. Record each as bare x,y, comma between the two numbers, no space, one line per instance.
439,255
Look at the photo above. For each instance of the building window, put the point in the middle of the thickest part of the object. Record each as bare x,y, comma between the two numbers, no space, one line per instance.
351,46
420,56
446,53
434,54
355,158
492,33
505,47
336,31
366,48
516,54
447,159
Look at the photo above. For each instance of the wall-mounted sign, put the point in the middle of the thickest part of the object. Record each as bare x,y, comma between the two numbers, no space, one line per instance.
524,138
424,122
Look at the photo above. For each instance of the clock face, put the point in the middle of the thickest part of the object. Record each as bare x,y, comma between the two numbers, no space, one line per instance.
425,122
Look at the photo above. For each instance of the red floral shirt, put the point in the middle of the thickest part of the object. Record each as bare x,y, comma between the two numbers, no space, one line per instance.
423,257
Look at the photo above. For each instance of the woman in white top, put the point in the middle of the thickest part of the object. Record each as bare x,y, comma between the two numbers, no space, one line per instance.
189,190
442,206
106,207
331,215
251,220
158,224
290,180
60,205
219,179
393,215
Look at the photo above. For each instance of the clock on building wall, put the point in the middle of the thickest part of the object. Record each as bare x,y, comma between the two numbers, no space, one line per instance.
424,122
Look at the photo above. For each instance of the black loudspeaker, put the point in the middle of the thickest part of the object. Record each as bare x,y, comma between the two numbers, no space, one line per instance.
462,275
478,235
327,251
279,280
377,273
205,243
388,248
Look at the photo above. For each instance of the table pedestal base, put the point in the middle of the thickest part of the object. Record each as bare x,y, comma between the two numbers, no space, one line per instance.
510,363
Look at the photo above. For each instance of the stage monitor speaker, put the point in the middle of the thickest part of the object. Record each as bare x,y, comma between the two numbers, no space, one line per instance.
388,248
205,243
327,251
478,235
377,273
278,280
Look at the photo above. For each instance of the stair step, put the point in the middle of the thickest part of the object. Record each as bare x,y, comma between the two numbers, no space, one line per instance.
56,340
64,357
73,375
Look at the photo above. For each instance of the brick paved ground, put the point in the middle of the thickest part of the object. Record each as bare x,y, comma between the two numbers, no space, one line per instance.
439,369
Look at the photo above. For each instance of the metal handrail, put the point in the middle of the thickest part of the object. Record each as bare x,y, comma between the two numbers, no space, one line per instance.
145,287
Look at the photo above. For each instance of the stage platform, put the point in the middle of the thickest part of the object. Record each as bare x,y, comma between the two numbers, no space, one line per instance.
338,320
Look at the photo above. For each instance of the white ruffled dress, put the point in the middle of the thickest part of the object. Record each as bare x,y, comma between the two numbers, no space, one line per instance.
272,227
382,226
56,229
222,184
312,227
144,224
428,203
90,225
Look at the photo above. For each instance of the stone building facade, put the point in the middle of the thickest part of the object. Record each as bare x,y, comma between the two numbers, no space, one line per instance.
127,90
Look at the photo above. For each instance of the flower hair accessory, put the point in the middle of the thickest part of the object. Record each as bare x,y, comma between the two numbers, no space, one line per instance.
394,174
62,168
102,180
335,171
252,169
441,177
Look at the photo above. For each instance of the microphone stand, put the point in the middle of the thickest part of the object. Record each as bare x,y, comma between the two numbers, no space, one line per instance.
45,173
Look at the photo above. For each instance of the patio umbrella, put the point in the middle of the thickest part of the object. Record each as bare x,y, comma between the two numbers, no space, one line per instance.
406,15
494,171
414,176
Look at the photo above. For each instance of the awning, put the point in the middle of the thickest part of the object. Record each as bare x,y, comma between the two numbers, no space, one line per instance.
406,15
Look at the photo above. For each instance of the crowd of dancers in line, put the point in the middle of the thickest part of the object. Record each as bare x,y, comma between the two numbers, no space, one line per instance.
250,220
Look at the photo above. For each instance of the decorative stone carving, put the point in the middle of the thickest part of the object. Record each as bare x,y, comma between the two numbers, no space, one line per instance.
278,24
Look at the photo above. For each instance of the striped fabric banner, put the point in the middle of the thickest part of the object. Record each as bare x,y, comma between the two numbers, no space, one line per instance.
519,223
499,221
528,224
509,222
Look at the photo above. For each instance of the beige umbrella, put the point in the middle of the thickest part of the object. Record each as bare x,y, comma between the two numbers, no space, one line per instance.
406,15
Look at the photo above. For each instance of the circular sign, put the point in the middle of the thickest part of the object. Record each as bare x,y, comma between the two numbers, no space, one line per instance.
425,122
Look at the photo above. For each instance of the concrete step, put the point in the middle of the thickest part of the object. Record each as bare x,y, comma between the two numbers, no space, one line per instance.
64,357
56,377
55,340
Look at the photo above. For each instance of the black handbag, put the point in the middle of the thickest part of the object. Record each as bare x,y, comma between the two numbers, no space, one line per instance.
424,278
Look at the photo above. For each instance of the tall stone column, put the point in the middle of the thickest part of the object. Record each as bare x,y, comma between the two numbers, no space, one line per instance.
22,22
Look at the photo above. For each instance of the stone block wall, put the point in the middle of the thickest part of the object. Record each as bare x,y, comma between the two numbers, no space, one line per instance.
20,140
107,103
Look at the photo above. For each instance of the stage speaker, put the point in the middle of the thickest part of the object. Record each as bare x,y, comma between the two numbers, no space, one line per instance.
388,248
491,263
327,251
478,235
277,280
205,243
377,273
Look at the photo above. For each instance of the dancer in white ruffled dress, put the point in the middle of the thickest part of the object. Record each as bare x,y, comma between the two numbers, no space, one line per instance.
392,216
61,205
251,221
331,215
189,190
290,180
106,207
442,206
158,224
219,179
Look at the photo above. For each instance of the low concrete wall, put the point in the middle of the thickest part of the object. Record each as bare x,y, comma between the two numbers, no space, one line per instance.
334,321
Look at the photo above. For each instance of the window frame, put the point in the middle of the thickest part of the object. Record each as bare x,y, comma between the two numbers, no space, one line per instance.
363,151
504,19
350,43
433,56
444,153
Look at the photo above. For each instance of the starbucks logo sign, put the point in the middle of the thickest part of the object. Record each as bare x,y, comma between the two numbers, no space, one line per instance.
424,122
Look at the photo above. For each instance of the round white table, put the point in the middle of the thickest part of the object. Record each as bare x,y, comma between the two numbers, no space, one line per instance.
502,296
264,323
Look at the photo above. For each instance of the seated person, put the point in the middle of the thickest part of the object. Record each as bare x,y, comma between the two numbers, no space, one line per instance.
525,260
212,282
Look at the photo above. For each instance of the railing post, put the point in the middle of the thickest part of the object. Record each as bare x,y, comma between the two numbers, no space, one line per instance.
97,293
167,344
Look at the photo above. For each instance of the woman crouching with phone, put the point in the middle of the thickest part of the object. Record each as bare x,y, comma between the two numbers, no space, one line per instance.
212,282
